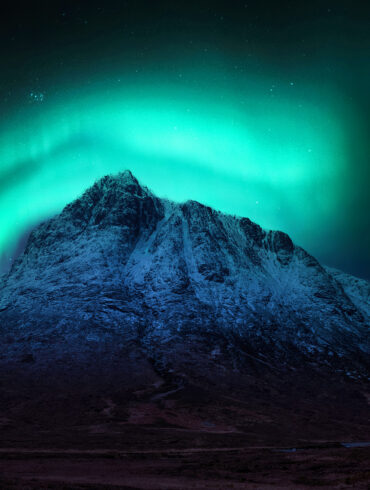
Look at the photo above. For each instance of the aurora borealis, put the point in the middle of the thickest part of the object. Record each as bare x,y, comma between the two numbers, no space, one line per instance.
255,114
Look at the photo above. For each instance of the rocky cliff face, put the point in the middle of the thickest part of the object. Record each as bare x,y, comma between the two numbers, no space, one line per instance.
118,259
125,291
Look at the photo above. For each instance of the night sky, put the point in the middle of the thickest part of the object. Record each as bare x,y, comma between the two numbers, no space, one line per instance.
256,108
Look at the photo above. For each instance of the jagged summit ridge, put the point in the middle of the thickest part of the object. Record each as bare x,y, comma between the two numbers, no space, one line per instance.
119,259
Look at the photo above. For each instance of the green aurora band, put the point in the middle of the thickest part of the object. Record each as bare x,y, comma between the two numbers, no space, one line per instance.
279,160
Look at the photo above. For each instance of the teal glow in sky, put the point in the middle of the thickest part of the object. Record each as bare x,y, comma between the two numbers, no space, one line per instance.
256,110
278,161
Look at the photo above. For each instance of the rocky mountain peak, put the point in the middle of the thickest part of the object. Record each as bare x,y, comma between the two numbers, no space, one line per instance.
125,261
109,195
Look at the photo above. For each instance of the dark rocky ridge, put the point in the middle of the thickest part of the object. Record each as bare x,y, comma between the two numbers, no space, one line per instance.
137,298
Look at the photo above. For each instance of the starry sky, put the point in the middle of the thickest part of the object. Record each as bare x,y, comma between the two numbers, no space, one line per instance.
257,108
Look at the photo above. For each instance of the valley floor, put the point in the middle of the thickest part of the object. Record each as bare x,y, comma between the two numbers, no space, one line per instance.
275,432
326,466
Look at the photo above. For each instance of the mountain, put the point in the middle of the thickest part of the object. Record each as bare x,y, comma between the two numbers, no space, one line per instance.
139,300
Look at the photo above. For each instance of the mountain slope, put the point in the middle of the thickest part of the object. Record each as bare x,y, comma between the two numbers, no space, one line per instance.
121,255
124,289
358,290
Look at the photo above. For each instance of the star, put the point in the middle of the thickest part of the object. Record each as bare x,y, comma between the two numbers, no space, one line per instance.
37,96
